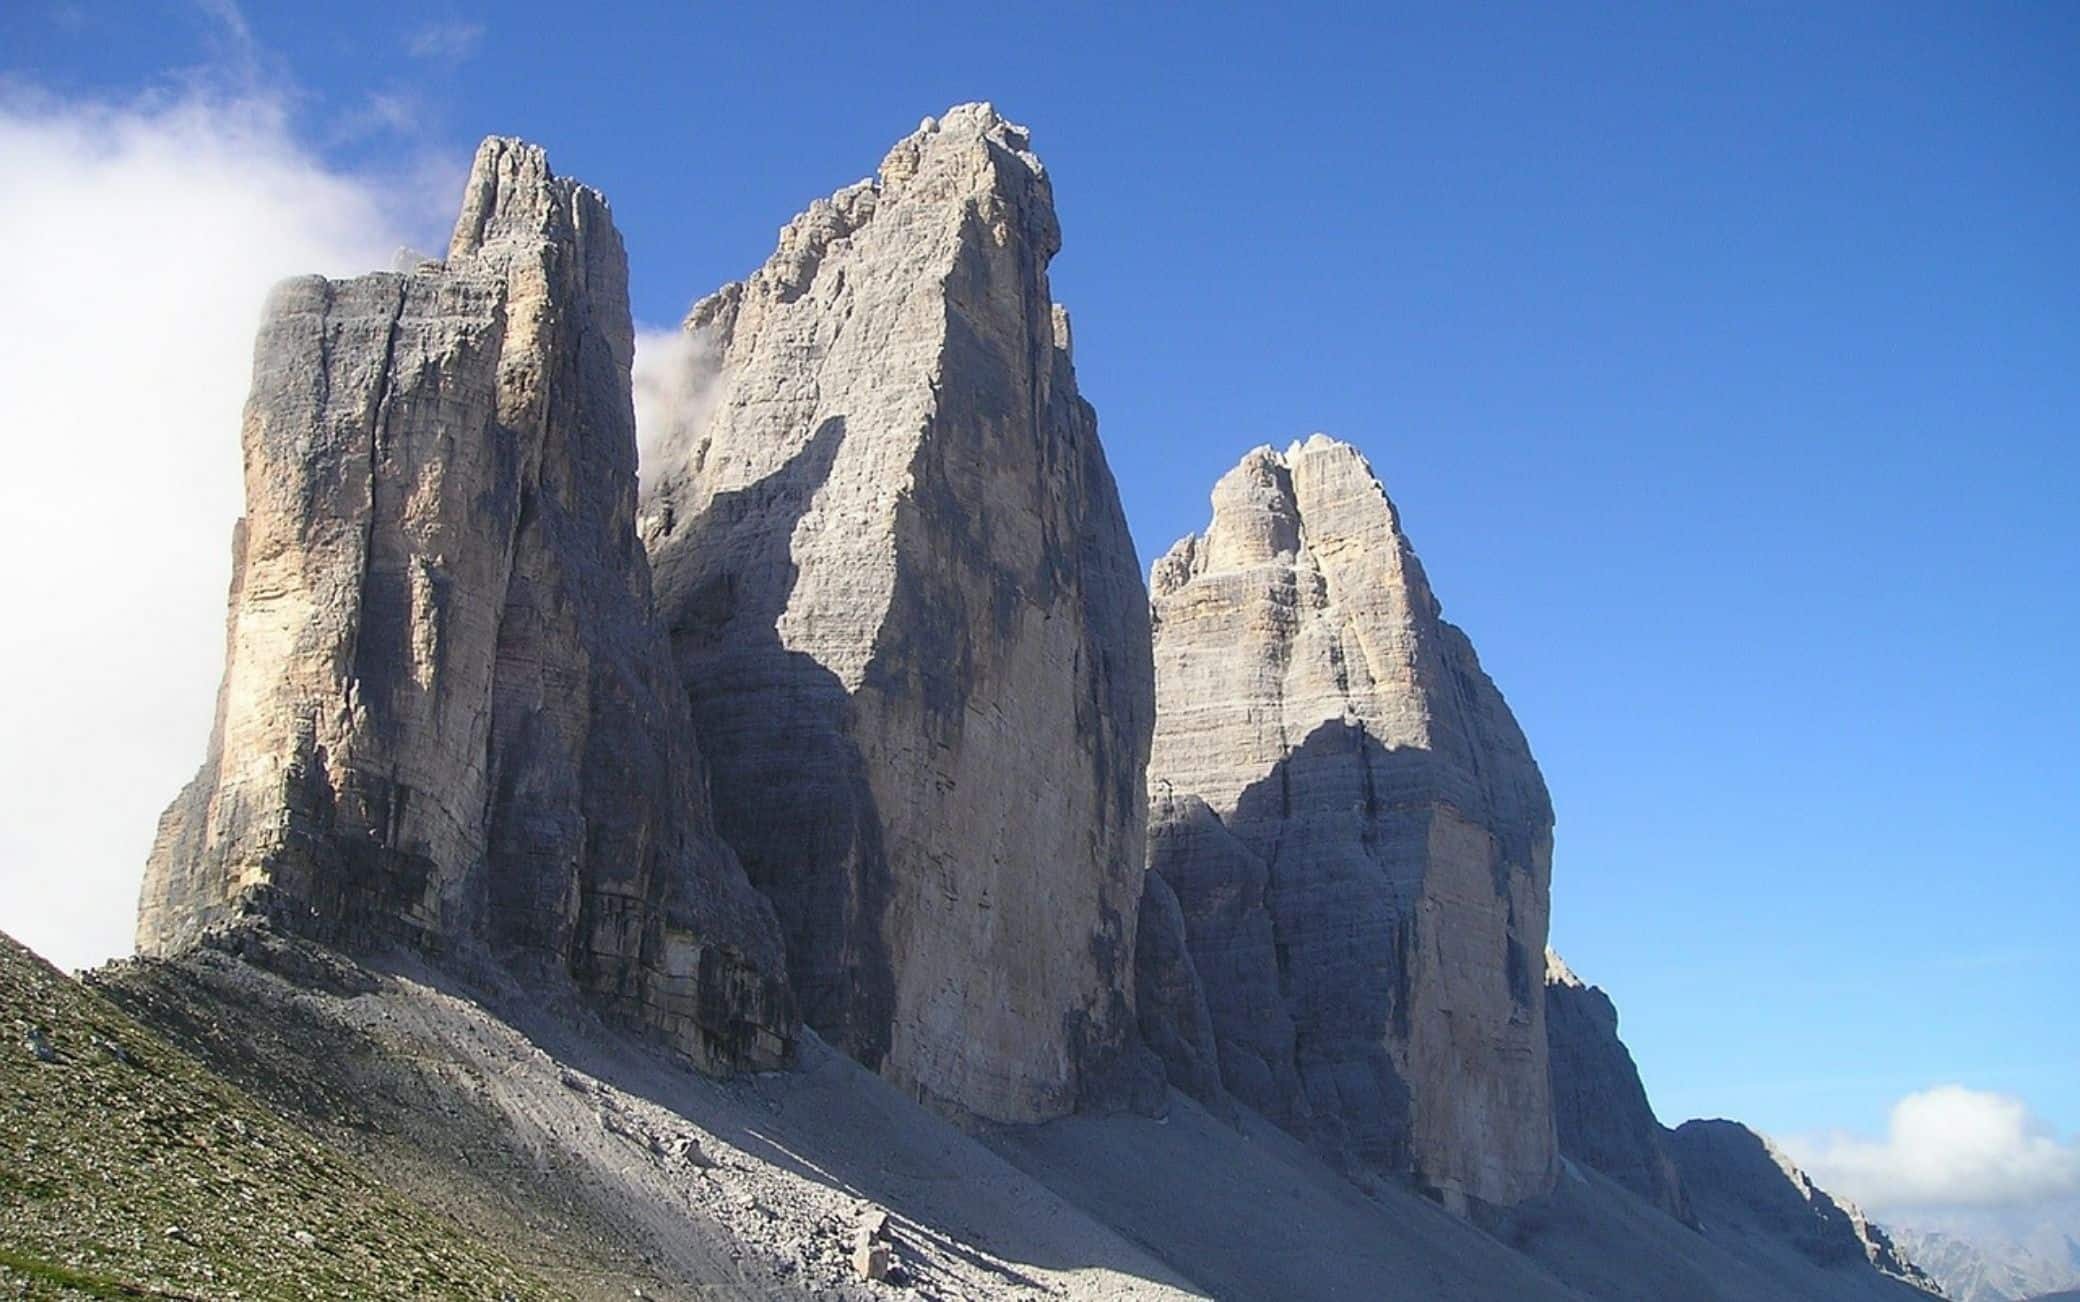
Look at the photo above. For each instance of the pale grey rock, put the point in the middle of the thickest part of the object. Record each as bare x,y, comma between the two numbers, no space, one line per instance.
905,606
447,717
1965,1270
1600,1109
1741,1183
1356,833
870,1260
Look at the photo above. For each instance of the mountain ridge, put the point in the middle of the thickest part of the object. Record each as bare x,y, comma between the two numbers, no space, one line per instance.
827,868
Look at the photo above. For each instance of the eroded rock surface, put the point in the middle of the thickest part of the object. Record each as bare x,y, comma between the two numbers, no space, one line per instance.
1599,1106
906,608
447,716
1356,833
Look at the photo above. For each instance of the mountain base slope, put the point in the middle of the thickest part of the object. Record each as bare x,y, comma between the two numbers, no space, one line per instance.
606,1167
129,1169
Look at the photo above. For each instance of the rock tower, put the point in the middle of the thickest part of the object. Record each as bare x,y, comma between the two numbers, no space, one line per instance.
1357,837
906,609
447,717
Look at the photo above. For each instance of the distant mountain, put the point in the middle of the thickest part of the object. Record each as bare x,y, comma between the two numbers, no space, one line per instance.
1997,1256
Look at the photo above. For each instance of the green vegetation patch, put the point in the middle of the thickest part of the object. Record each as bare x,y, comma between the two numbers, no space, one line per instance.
127,1169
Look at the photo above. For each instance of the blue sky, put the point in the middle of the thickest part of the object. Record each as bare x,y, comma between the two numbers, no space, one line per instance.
1724,362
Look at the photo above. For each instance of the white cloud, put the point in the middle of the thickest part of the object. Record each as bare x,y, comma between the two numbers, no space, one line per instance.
231,21
380,112
674,389
444,40
1946,1147
142,239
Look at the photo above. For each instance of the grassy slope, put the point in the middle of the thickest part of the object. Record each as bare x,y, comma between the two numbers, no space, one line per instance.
128,1170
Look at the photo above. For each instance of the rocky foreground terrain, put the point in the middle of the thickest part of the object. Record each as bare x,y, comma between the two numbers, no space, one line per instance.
129,1168
831,872
537,1149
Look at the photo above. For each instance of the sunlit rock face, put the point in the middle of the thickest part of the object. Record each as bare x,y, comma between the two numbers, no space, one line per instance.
1599,1106
447,717
1356,834
907,612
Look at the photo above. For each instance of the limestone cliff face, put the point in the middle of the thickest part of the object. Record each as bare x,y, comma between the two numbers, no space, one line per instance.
906,608
447,716
1356,833
1741,1183
1599,1106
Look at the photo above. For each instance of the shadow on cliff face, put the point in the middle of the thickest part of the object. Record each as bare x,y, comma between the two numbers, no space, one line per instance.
1342,929
1330,847
790,786
1737,1175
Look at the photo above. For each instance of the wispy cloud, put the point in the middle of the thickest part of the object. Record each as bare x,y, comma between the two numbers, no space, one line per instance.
675,374
380,113
236,54
1946,1147
231,20
453,40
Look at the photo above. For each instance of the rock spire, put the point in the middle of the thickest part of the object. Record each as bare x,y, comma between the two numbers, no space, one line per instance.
1356,835
906,609
447,718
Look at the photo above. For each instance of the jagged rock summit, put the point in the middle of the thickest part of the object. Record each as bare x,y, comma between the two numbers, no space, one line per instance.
906,608
1722,1181
1740,1182
447,718
1357,837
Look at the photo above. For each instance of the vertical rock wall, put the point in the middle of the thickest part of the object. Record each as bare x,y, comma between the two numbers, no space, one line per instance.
907,611
446,716
1358,839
